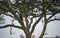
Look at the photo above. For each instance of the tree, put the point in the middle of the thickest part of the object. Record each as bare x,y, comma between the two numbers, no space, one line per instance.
25,11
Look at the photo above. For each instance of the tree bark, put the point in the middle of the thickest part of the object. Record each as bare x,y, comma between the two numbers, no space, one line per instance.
44,29
28,35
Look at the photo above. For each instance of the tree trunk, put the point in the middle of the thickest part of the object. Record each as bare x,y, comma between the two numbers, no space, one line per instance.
28,35
44,29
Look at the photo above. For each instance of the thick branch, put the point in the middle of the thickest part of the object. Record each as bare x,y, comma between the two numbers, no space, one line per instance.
10,25
30,23
33,27
53,20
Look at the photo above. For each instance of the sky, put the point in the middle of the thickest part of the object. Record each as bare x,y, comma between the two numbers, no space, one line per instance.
53,29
